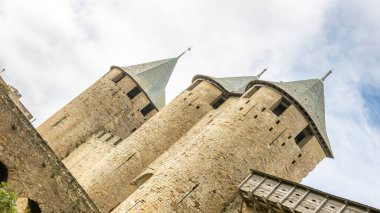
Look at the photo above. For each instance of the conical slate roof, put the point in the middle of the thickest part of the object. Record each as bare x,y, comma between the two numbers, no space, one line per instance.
230,85
152,77
308,96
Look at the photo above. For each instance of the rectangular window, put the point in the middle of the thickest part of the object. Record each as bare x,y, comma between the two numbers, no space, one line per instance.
119,76
303,136
148,108
218,103
134,92
281,107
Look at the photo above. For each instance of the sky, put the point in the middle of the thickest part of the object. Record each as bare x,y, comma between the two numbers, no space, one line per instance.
53,50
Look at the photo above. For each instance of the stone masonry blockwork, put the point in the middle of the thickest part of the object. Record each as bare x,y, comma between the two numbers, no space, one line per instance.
108,182
213,162
34,171
105,106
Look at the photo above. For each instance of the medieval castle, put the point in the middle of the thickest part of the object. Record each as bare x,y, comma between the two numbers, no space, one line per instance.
236,144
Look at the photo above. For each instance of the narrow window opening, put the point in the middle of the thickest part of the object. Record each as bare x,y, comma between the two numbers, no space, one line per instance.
218,103
101,135
293,162
109,138
148,108
134,92
134,129
270,129
119,76
60,121
303,136
281,107
241,108
193,85
197,107
255,116
251,91
278,121
117,142
263,109
3,173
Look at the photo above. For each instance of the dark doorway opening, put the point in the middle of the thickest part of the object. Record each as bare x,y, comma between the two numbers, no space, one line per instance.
3,172
34,207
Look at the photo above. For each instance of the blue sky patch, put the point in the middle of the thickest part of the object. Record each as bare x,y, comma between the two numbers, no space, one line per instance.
371,95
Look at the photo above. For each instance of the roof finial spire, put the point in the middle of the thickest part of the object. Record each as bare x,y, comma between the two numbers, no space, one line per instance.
188,49
326,75
262,72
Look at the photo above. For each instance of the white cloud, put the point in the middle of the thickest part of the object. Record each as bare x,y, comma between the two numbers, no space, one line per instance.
53,50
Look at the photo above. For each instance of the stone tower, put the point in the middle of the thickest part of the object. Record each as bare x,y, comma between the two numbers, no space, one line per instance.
106,113
206,140
15,96
114,178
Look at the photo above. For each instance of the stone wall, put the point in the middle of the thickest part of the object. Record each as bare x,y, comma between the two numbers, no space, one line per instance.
81,160
34,171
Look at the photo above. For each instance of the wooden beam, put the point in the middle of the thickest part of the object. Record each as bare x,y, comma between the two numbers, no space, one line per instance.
287,195
301,199
342,209
321,205
273,190
258,184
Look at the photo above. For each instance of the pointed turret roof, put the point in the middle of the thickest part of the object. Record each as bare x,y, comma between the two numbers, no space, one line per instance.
152,77
231,85
308,96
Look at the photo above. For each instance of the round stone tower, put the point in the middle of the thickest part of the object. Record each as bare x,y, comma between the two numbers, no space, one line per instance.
117,104
276,128
114,178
